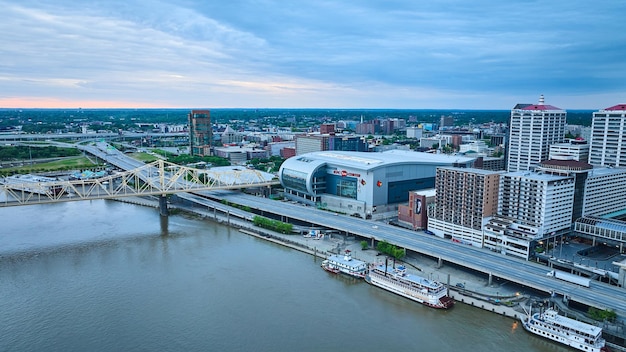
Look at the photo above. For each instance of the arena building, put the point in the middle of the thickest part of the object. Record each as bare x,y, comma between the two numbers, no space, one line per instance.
359,183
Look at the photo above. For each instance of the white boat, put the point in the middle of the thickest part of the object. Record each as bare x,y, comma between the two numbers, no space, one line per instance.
345,264
32,184
397,280
570,332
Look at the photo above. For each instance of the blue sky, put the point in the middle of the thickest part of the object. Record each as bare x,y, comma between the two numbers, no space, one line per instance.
312,54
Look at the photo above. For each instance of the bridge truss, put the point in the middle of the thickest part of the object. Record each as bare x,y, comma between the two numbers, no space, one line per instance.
157,178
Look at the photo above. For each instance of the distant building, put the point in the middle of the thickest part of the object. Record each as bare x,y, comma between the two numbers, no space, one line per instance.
608,137
475,146
574,149
327,128
439,140
533,128
230,136
288,152
367,128
446,121
497,139
489,163
414,132
239,155
309,143
200,132
276,148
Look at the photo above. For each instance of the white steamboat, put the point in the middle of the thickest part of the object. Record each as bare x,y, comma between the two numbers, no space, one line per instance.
397,280
570,332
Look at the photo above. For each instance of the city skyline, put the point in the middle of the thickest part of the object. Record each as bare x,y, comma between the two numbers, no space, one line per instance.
305,54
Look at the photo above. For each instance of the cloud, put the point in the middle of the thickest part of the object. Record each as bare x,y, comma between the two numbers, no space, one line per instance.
262,53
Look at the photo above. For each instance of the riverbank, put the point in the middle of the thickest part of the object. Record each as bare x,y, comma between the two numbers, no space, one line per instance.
499,297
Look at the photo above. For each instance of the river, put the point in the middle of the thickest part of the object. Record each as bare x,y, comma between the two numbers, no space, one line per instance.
109,276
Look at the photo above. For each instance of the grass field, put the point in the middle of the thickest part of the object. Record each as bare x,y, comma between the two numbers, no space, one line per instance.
69,163
145,157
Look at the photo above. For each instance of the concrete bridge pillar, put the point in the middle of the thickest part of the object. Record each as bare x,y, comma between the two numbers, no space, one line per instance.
490,279
163,206
439,263
372,245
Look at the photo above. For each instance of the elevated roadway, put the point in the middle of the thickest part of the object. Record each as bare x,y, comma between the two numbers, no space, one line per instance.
527,273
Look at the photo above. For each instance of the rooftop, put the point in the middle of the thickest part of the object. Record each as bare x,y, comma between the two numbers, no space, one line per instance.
535,176
367,160
618,107
570,164
538,107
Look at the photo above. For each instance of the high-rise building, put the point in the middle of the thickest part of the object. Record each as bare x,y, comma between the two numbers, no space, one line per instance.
464,198
541,204
605,192
608,137
200,132
532,129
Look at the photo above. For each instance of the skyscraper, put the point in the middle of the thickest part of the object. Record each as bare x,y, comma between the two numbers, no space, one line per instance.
608,137
200,132
532,129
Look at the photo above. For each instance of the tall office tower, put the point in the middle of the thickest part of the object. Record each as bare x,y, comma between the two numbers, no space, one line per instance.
200,132
608,137
464,198
540,204
532,129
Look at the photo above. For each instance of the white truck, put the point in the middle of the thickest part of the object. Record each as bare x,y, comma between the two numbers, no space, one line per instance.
575,279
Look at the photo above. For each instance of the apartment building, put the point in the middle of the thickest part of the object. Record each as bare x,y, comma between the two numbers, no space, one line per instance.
464,198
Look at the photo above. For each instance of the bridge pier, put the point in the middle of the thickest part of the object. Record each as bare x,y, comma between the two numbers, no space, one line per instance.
163,206
439,263
490,279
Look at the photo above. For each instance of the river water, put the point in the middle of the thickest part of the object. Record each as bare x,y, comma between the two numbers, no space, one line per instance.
109,276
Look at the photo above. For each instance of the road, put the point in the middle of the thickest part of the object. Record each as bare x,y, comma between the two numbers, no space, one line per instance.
526,273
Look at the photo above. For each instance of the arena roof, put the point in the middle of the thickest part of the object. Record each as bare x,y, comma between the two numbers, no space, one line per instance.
369,161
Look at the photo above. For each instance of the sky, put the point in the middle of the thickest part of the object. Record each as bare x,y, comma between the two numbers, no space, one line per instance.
344,54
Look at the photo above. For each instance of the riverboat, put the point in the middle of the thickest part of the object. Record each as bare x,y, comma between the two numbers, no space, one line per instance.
32,184
345,264
570,332
396,279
